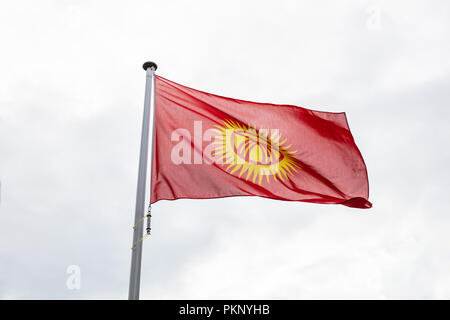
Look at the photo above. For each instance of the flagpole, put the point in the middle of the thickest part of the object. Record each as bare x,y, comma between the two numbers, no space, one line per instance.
148,122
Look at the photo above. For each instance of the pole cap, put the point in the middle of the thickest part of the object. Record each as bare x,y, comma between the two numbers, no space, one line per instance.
151,65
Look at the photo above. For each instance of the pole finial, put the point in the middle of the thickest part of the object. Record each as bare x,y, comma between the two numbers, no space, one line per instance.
150,64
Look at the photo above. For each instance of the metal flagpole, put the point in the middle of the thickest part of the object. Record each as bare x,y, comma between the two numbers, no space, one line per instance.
148,125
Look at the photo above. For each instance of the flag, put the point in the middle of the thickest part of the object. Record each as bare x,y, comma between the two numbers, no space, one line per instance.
208,146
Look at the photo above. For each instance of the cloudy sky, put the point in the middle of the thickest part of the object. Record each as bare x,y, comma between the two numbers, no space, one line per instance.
71,100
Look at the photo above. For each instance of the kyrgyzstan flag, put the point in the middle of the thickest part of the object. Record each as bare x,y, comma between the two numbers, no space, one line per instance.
207,146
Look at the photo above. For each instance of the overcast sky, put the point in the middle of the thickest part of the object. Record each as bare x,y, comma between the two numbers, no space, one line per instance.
71,101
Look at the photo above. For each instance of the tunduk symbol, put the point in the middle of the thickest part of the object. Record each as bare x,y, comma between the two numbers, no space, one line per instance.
253,153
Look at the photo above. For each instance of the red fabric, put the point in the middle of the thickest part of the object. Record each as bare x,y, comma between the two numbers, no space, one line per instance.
329,167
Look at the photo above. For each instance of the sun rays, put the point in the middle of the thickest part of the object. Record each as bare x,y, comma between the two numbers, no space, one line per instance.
253,153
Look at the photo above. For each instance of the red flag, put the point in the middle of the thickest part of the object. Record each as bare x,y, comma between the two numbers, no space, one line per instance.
208,146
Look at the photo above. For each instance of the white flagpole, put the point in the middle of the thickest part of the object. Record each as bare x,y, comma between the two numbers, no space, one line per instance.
148,125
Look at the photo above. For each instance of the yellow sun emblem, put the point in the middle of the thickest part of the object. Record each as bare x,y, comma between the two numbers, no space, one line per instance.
255,152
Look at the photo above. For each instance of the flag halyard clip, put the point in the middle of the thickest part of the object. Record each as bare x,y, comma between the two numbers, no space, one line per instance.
148,228
149,220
